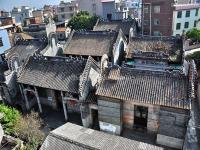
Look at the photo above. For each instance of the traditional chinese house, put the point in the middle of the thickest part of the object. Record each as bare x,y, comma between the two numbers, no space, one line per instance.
152,90
96,44
55,81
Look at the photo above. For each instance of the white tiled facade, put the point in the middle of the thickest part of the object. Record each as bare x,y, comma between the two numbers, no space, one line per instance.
182,21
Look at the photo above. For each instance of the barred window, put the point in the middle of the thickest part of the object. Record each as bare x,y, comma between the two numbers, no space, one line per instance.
1,42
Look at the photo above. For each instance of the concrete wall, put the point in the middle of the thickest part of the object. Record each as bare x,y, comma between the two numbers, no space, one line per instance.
108,8
88,5
110,115
172,127
169,141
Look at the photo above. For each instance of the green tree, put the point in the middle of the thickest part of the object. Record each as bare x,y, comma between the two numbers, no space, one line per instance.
194,34
11,116
83,21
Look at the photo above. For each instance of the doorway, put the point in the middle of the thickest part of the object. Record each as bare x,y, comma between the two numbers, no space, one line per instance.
95,119
109,17
140,116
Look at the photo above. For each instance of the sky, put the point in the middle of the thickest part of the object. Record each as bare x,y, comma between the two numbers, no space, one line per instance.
9,4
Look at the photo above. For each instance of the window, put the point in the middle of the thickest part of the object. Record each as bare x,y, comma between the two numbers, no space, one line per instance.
63,16
195,23
156,21
146,9
187,13
186,25
146,22
62,9
178,26
70,8
156,9
197,11
1,42
179,14
156,33
94,7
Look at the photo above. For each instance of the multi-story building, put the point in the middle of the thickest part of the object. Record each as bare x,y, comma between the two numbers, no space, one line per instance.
38,14
157,17
166,18
21,13
94,7
135,9
185,17
114,10
66,10
49,9
4,41
4,13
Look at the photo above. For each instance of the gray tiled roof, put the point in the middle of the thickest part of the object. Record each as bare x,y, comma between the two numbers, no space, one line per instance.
59,73
90,43
115,25
25,49
74,137
86,76
151,87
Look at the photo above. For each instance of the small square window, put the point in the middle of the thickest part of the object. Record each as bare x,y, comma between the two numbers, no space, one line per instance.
146,22
1,42
62,9
156,21
63,16
179,14
156,9
186,25
187,13
146,9
197,12
178,26
70,8
195,23
156,33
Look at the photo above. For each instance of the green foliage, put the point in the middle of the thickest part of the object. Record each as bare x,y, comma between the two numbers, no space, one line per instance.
46,20
11,115
83,21
55,18
33,145
193,34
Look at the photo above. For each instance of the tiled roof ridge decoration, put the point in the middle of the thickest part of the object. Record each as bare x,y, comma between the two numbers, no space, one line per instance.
59,58
106,32
127,71
157,38
165,48
152,54
192,79
144,86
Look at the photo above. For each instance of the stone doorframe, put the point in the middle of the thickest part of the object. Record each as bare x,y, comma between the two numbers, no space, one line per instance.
24,94
64,102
